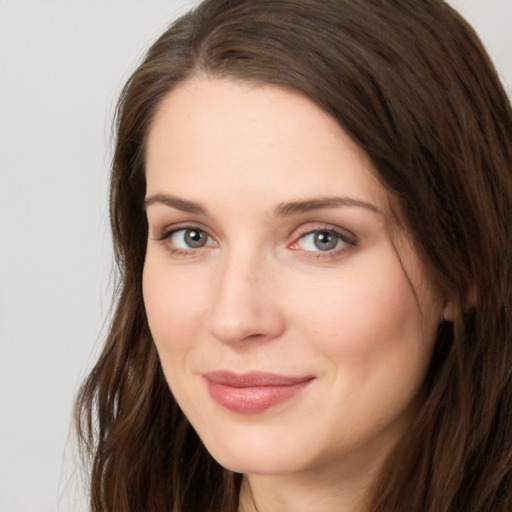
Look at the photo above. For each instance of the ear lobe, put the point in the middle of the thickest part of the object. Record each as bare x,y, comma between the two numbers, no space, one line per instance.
472,298
452,309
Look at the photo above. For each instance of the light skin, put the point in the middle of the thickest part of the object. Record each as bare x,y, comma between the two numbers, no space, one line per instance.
269,250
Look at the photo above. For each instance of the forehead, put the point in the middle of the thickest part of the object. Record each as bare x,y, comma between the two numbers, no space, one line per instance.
249,139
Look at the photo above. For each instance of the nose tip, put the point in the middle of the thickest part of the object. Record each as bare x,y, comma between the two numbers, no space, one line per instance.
235,320
233,330
244,308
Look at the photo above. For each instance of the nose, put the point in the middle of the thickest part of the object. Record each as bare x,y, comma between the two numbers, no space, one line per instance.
245,305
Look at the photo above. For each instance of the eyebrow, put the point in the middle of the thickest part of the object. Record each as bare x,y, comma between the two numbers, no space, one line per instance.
175,202
298,207
281,210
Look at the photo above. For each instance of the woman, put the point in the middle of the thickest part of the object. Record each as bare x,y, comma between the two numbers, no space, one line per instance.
310,204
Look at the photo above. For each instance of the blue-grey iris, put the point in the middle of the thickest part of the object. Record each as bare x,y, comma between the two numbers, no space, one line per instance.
325,241
195,238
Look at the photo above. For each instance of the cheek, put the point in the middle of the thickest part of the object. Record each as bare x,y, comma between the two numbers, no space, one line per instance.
175,305
359,311
375,345
368,325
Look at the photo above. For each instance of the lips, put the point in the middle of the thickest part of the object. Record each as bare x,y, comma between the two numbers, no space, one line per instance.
253,392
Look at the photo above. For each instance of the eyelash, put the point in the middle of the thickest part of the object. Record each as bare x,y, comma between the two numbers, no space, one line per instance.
348,241
167,234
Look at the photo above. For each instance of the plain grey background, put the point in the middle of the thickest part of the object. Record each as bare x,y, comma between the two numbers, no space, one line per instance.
62,65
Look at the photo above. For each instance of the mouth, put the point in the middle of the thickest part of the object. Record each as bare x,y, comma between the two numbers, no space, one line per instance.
253,392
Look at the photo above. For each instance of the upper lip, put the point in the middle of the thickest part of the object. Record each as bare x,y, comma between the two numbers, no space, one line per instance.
253,379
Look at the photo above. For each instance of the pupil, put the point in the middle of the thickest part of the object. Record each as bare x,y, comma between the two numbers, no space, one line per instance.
325,241
195,238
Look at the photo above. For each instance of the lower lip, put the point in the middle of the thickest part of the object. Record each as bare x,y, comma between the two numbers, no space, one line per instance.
253,399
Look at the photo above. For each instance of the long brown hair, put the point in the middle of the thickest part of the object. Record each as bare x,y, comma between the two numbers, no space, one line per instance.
410,82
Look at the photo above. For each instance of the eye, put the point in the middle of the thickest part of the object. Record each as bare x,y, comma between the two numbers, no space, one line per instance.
189,238
324,240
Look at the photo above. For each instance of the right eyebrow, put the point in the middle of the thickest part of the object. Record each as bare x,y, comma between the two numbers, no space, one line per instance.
175,202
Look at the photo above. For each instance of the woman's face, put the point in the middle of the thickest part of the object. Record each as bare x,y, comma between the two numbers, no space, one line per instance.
293,332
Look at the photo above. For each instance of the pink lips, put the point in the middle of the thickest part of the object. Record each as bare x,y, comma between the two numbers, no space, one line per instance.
253,392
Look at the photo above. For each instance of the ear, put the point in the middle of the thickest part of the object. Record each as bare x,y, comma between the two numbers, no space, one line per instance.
452,309
472,298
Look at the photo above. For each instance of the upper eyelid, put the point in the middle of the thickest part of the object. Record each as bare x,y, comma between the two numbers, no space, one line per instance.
323,226
171,228
344,238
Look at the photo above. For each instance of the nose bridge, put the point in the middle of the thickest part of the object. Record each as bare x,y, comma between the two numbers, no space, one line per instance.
243,305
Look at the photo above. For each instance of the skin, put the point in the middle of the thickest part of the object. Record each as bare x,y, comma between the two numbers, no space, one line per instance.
360,318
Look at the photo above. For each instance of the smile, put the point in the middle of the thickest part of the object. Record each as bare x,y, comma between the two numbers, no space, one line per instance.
253,392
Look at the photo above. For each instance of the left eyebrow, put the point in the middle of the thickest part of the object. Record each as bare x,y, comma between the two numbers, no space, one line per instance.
298,207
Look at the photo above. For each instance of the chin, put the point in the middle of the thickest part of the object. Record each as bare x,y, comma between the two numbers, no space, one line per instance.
257,454
255,464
